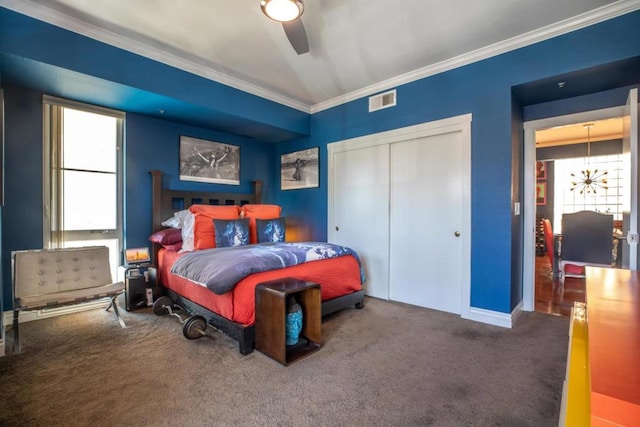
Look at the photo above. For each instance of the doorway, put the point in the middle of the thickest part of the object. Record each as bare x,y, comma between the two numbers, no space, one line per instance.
530,128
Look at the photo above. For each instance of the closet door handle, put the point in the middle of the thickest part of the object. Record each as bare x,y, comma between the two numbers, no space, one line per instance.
457,234
337,228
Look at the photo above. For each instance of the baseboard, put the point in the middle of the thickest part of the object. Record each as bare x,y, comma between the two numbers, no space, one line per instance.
517,312
28,316
496,318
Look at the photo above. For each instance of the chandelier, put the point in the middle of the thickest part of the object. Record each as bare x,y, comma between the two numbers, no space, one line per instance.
589,180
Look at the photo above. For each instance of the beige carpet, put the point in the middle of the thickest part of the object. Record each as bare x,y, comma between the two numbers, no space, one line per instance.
389,364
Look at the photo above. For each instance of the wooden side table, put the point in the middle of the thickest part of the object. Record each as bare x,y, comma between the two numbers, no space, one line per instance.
271,312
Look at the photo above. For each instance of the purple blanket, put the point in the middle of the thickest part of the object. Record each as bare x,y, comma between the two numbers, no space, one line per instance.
219,269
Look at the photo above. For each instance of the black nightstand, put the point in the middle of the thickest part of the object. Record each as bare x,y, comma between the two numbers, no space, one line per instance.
139,286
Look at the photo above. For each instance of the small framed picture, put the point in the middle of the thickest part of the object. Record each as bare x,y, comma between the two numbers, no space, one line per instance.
541,193
299,169
133,256
209,161
541,170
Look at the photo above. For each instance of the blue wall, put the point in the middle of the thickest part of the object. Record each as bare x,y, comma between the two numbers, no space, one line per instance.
594,101
483,89
139,81
155,144
22,213
517,194
149,144
2,297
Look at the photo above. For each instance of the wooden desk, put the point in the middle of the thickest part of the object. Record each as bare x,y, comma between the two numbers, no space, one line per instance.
613,348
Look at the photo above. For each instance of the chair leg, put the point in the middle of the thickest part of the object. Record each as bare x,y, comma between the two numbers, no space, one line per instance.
116,311
16,333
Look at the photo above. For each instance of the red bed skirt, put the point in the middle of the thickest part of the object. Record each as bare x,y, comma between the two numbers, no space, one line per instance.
336,276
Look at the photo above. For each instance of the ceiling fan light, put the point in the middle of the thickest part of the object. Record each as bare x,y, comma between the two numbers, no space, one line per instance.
282,10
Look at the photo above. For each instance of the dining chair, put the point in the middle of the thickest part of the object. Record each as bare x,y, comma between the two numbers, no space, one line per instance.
550,245
587,239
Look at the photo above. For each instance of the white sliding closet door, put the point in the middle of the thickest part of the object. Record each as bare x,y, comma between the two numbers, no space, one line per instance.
402,199
426,222
359,211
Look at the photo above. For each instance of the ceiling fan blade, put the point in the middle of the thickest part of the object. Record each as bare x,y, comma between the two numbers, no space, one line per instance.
297,35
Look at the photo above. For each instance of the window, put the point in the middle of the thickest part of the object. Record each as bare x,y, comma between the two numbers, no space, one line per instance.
608,201
82,177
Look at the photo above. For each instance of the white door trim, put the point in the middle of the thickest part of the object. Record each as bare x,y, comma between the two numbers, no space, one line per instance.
461,124
436,127
529,196
630,149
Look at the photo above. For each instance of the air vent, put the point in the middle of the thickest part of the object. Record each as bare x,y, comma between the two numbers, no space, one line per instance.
382,100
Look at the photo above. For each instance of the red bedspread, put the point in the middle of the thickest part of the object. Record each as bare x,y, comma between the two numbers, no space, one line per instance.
336,276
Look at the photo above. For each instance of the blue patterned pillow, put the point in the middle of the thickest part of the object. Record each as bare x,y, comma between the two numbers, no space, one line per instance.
231,232
270,230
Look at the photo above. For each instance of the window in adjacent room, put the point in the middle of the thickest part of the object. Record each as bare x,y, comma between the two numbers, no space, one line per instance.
609,201
82,170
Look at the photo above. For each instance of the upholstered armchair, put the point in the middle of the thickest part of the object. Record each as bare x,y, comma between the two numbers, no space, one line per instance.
587,239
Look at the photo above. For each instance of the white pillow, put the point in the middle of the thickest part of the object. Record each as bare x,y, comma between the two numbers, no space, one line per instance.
172,222
186,220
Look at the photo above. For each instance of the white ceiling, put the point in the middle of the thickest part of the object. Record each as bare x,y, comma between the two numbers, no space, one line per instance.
594,131
357,47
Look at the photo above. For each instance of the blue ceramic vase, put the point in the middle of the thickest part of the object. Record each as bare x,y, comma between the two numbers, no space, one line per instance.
294,322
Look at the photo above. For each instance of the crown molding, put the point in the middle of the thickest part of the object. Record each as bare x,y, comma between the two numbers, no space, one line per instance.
595,16
40,12
53,17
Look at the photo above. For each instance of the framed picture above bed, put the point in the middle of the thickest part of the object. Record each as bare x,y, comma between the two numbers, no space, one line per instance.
209,161
299,169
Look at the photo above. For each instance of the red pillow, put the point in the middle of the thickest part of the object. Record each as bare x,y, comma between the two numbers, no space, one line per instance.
204,234
254,212
167,236
173,248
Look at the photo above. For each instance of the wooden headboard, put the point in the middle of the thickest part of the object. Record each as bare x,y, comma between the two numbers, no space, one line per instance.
166,202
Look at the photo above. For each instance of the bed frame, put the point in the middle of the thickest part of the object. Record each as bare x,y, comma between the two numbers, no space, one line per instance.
166,202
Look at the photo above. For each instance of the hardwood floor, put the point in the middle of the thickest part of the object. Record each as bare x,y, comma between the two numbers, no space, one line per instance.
553,296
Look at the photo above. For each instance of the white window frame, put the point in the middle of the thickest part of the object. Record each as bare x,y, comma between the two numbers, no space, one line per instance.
566,201
51,148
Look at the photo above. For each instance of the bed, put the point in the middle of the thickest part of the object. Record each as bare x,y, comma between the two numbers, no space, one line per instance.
233,312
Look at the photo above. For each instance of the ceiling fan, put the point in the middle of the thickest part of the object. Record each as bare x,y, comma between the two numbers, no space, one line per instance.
288,12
